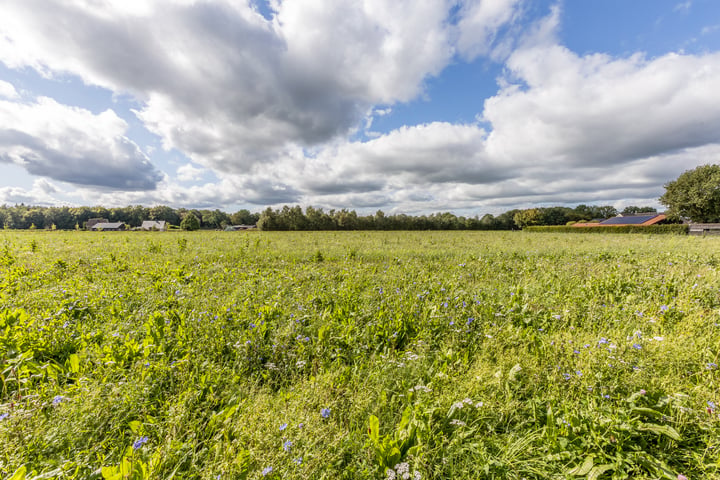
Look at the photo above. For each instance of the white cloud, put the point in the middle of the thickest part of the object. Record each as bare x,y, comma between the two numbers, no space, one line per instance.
42,193
188,173
72,145
231,89
480,23
8,91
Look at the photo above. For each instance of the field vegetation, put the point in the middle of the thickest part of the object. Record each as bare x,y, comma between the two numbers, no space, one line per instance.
331,355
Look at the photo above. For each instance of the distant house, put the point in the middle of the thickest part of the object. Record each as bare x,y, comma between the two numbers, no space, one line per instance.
108,227
159,225
640,219
94,221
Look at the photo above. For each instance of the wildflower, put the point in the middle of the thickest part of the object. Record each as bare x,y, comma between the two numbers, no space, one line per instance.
4,416
298,461
287,445
390,474
711,405
603,341
637,346
283,427
266,471
457,422
567,376
681,477
140,442
417,475
711,366
325,412
58,399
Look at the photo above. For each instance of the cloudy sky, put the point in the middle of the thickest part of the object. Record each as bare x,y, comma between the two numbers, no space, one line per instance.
409,106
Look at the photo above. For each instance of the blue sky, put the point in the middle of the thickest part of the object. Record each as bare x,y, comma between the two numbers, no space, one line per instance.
470,106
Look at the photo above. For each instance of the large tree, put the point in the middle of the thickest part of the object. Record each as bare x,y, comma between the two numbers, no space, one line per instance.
695,194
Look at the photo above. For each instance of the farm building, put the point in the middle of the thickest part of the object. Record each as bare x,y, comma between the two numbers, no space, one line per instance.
159,225
642,219
94,221
108,227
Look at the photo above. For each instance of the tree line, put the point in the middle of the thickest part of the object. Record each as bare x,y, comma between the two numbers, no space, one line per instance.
295,218
70,218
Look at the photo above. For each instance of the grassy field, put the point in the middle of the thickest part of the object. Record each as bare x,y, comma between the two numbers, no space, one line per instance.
331,355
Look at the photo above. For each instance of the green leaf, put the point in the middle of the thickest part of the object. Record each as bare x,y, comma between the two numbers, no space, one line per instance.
74,363
583,468
599,470
666,430
19,474
374,429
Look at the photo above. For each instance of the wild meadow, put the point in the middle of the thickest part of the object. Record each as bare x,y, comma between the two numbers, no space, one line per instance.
369,355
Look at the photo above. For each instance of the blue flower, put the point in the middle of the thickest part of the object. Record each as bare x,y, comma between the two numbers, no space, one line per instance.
140,442
266,471
58,399
283,426
711,405
4,416
637,346
298,460
711,366
325,412
287,445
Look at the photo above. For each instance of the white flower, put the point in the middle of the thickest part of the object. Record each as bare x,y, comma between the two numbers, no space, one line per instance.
417,475
402,468
457,422
390,474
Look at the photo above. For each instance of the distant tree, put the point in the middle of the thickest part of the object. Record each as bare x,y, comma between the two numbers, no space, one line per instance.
528,218
190,222
242,217
695,194
163,212
632,209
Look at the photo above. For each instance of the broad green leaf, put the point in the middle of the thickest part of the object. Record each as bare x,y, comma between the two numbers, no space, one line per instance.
666,430
74,363
599,470
583,468
374,429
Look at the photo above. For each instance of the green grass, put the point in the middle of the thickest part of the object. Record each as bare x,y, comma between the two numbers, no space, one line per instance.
464,355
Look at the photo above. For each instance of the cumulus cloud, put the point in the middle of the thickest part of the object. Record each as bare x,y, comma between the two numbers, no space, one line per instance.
270,104
42,193
230,88
600,111
73,145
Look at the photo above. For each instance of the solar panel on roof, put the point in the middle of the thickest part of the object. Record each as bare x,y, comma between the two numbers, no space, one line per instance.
632,220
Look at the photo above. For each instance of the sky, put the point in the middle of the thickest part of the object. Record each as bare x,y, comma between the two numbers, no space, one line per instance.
405,106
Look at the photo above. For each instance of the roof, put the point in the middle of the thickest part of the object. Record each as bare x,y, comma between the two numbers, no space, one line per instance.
107,226
150,224
644,219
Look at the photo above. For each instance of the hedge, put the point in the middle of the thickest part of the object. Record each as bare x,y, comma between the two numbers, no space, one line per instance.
674,229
